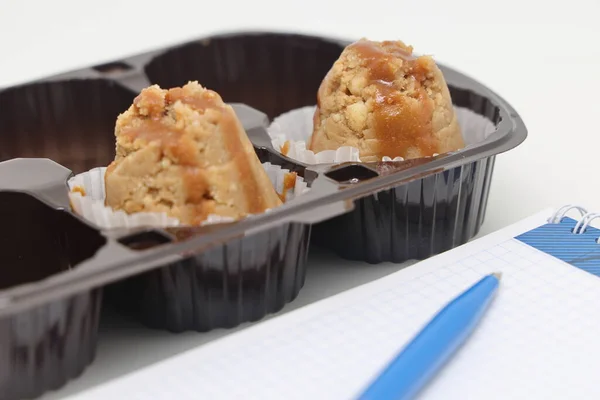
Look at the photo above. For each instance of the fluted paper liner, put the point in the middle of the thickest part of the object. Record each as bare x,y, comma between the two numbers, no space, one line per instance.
90,205
293,129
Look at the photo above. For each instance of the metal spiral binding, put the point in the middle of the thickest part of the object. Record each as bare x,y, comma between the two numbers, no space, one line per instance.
582,224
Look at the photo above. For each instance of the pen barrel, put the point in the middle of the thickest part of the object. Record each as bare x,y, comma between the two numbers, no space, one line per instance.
432,347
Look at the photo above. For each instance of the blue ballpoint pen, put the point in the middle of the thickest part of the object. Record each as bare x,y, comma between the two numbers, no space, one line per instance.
418,362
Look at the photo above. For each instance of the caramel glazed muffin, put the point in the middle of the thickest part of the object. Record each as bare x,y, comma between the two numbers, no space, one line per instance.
384,101
183,151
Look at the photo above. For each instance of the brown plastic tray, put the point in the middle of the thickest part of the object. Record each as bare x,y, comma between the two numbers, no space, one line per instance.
215,276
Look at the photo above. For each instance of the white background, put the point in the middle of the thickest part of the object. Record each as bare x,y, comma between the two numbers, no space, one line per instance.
542,57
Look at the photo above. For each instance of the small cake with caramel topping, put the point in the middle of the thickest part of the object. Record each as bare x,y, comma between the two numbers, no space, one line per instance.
183,152
384,101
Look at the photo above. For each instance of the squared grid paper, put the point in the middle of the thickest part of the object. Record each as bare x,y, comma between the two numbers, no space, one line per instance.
539,339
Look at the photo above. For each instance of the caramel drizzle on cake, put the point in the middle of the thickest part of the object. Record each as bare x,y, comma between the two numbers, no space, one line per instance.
210,164
398,125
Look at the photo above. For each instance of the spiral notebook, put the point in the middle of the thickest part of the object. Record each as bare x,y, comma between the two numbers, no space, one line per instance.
540,338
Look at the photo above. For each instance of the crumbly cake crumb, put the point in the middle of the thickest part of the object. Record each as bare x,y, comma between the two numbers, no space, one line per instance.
184,152
383,100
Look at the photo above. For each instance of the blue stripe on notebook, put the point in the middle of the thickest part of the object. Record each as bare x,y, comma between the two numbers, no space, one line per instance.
558,240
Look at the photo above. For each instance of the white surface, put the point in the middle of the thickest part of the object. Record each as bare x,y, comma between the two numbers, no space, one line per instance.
333,348
543,58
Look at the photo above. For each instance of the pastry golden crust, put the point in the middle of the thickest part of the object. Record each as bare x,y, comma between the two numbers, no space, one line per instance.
384,101
184,152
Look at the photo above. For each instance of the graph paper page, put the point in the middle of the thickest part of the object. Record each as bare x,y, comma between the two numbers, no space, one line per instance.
539,339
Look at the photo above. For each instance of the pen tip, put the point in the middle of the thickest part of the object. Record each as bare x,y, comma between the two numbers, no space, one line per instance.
498,275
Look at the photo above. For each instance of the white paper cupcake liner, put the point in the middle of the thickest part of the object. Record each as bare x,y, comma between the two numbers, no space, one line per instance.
293,129
91,205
